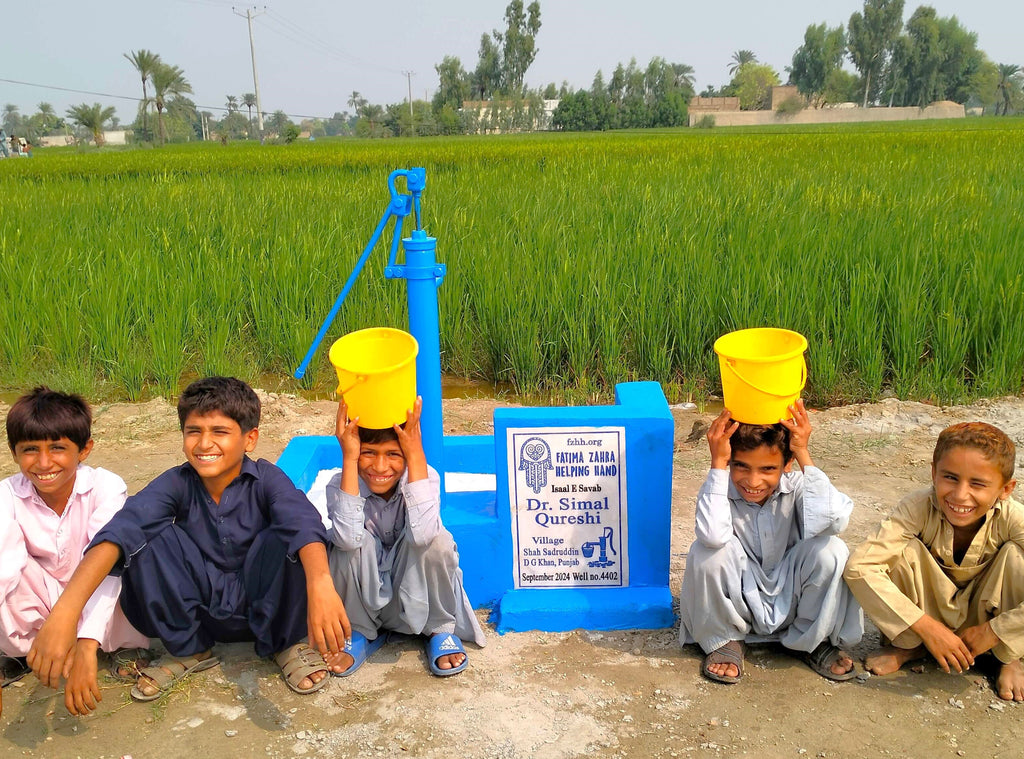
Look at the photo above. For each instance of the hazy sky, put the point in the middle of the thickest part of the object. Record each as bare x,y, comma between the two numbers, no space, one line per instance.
312,54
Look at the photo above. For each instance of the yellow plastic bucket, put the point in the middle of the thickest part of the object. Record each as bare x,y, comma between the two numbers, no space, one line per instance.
376,375
763,372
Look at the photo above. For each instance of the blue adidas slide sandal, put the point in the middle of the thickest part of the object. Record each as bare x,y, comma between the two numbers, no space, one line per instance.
361,649
443,644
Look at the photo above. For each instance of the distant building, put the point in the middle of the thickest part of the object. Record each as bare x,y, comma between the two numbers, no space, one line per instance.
726,111
713,105
111,137
501,116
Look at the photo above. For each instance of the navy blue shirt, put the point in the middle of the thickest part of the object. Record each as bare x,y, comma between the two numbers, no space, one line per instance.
261,497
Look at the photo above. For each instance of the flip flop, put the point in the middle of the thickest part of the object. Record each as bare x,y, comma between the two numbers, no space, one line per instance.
14,668
443,644
361,649
299,662
823,657
128,658
730,653
164,680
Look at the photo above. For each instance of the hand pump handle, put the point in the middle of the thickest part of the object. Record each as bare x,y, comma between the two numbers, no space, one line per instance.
399,207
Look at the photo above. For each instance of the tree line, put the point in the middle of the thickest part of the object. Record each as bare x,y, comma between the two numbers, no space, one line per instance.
928,58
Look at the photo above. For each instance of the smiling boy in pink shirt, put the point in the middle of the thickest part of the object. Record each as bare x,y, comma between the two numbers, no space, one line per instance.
48,514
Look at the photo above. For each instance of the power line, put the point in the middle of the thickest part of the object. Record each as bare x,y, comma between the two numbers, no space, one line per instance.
69,89
198,106
280,26
308,38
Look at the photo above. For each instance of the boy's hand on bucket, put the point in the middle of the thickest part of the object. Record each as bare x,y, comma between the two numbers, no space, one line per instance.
410,438
718,439
347,433
799,433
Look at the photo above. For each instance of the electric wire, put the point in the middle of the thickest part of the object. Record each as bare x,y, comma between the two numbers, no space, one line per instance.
198,106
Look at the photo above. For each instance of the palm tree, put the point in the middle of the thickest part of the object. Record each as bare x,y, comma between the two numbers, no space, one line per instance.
168,81
145,62
12,119
92,117
232,104
739,58
683,73
357,102
373,114
47,115
1009,82
249,101
279,122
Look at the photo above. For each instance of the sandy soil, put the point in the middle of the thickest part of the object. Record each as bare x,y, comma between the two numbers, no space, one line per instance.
550,694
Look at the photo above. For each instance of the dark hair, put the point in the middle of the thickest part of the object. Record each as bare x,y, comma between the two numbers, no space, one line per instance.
373,437
45,414
991,442
226,395
749,437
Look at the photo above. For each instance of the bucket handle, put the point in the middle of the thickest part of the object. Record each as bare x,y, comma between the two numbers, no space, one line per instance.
731,363
359,378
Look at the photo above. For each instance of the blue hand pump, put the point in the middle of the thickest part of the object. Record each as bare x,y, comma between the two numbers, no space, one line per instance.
424,275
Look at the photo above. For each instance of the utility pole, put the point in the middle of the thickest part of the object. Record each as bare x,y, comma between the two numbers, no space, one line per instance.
412,120
250,14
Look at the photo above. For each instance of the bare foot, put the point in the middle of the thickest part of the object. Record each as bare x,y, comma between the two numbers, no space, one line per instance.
843,664
339,661
148,687
725,662
724,669
451,661
126,664
1010,683
888,659
308,682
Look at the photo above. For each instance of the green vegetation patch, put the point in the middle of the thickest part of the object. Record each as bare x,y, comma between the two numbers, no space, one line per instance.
575,261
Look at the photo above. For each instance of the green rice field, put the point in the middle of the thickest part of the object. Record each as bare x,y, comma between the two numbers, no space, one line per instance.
574,261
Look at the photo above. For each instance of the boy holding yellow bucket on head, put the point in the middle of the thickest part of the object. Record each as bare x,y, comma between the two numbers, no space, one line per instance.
394,564
767,564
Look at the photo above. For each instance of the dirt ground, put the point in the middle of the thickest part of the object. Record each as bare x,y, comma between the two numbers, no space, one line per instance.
540,694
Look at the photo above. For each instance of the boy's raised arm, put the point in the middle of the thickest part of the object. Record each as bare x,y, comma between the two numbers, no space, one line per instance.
824,510
422,490
52,653
799,433
410,438
344,502
714,517
347,432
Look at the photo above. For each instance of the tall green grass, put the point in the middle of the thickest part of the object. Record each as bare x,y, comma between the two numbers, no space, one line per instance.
574,261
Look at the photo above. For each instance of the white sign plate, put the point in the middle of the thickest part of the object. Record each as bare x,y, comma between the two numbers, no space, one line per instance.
567,492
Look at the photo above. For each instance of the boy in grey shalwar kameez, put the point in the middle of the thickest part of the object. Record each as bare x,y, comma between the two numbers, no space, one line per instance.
767,564
394,564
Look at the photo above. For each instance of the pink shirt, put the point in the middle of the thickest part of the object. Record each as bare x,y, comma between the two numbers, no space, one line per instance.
31,530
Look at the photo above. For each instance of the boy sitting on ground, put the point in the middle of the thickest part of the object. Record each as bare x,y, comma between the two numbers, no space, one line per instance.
48,514
944,573
767,565
394,564
219,549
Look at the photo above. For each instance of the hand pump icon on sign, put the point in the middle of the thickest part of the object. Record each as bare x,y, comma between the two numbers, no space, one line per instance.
603,543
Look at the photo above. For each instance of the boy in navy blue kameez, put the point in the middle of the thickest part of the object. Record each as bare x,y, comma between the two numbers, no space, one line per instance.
219,549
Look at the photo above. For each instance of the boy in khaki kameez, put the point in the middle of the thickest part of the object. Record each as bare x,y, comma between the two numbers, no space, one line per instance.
944,574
